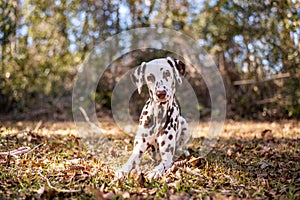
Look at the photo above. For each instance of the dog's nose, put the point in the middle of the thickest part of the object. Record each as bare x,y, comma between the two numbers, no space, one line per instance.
161,94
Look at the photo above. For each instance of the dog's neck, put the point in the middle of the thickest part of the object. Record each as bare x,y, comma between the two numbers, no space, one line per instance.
160,110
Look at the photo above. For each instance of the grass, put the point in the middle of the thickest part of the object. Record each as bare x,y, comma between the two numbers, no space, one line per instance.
250,160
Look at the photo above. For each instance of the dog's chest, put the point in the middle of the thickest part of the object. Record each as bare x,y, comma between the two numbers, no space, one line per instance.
161,115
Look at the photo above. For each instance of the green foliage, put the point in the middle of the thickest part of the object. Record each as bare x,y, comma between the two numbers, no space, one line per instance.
43,42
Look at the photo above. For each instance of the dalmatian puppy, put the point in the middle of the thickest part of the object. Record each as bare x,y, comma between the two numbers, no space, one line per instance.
161,127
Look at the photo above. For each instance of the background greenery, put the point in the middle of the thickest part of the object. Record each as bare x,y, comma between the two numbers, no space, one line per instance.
256,45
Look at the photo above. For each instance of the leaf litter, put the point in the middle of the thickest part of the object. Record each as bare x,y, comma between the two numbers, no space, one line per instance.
251,160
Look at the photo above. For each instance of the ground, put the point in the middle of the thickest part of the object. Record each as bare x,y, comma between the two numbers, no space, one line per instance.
250,160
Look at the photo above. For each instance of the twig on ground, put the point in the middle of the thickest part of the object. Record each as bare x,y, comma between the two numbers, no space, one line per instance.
16,151
38,126
93,126
34,148
57,189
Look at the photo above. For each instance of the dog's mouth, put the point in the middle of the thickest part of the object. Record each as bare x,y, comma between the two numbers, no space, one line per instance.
162,96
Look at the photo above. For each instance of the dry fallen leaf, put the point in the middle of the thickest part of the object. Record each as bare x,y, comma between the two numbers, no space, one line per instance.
126,195
194,161
181,196
100,195
267,134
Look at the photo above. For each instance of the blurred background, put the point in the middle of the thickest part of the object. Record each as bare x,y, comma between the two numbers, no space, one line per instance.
255,44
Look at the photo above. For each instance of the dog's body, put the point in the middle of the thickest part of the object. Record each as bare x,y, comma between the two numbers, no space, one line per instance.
161,127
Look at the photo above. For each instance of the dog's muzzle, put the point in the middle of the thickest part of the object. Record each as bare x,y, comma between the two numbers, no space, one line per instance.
161,94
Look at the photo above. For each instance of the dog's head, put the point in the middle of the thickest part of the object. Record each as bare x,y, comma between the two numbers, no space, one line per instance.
160,76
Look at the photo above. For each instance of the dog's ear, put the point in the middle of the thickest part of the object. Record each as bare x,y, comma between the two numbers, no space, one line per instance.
178,68
138,77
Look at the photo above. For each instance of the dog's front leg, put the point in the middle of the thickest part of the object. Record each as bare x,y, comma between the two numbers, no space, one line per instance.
183,136
166,143
140,146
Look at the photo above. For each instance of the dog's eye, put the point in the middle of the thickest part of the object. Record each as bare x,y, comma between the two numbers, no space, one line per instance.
166,74
151,78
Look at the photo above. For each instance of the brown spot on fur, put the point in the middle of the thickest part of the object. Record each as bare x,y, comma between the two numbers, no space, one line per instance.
148,121
166,74
162,143
172,149
168,148
160,133
151,132
170,137
141,154
169,113
151,78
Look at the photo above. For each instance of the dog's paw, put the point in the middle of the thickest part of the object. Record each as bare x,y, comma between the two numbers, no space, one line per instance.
124,171
157,172
154,175
120,174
